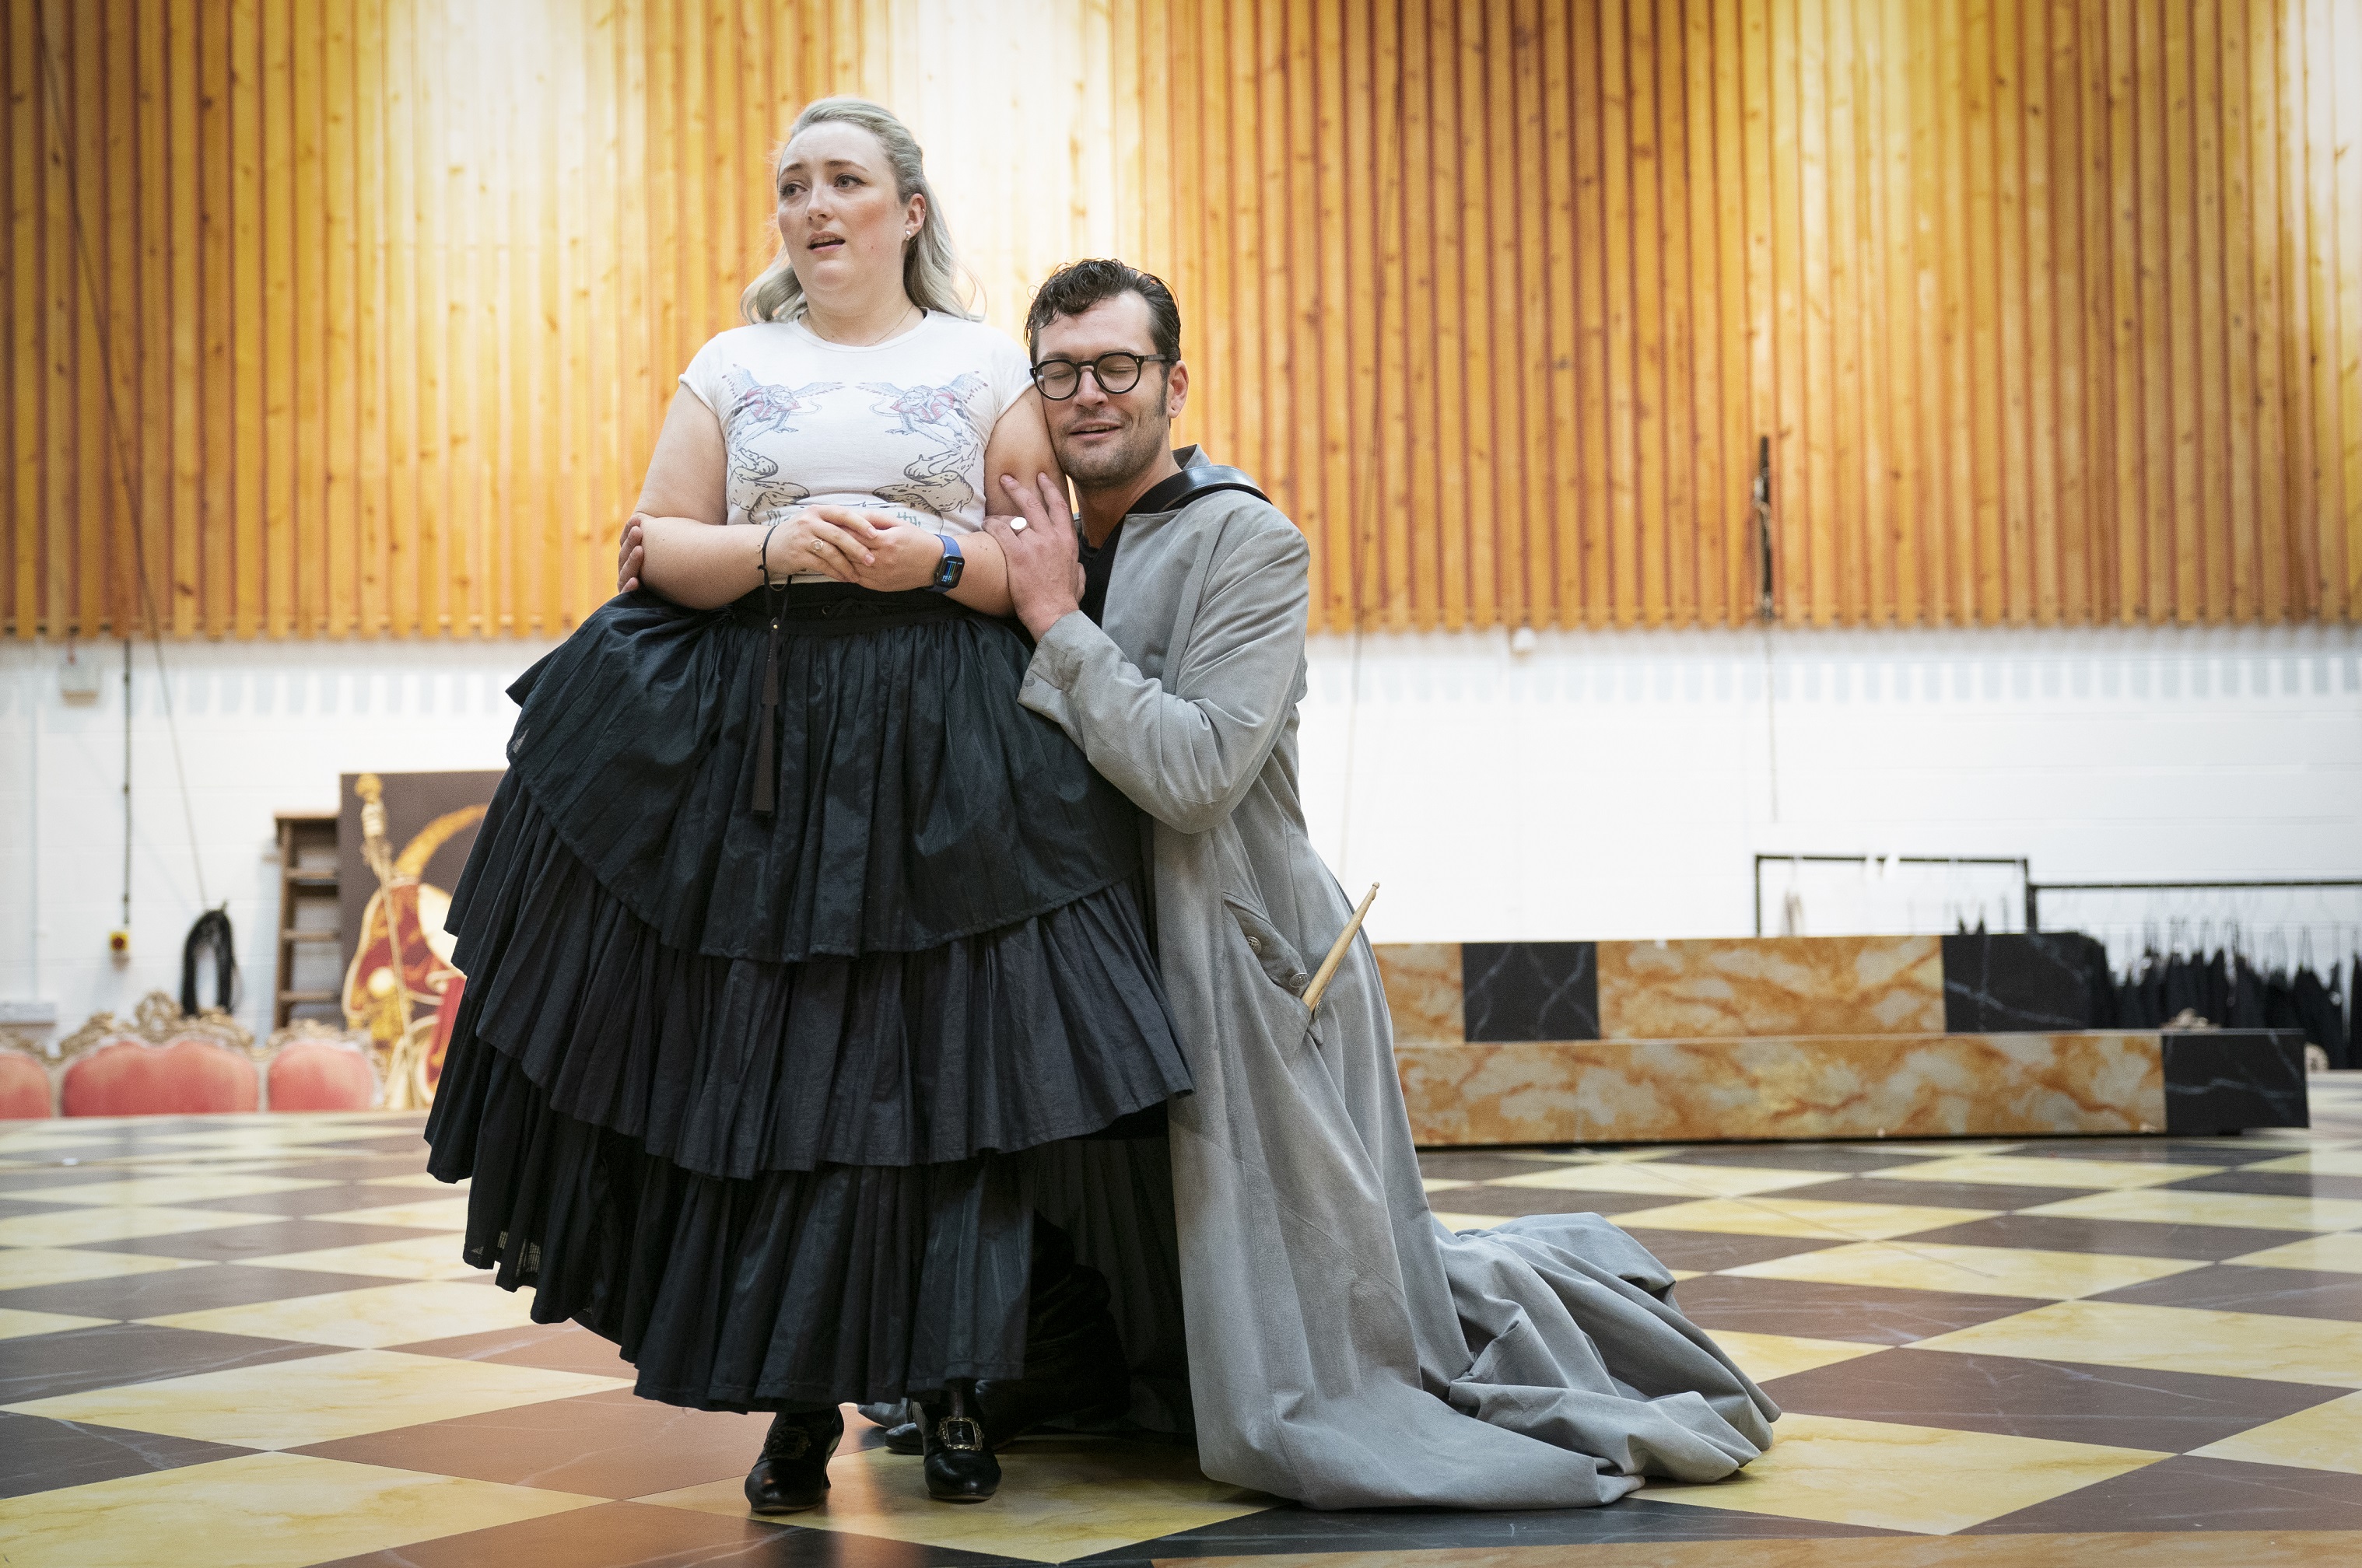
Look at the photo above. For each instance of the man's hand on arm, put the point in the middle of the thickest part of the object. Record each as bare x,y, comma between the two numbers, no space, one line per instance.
628,555
1045,576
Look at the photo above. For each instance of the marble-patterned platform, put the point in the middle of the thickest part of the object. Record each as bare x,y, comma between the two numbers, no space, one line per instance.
1803,1037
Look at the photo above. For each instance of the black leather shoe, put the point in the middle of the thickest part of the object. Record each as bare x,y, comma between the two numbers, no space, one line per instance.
908,1437
960,1466
792,1473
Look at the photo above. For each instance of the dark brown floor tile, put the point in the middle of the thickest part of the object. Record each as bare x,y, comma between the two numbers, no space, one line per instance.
11,1207
2113,1406
638,1535
357,1167
2152,1151
2187,1493
1872,1314
17,1183
1707,1251
184,1291
2232,1287
1475,1165
1492,1199
1928,1194
302,1201
38,1366
42,1455
602,1445
554,1347
2135,1238
267,1238
1635,1520
2274,1183
1842,1159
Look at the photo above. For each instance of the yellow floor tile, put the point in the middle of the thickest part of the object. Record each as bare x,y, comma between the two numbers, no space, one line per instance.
418,1179
2253,1210
1443,1183
369,1319
1977,1270
1601,1157
1766,1356
2341,1254
1816,1218
1454,1221
23,1267
294,1404
1669,1179
1890,1476
1060,1498
434,1256
2172,1339
16,1325
2026,1170
432,1214
2315,1162
166,1188
2326,1437
258,1511
69,1226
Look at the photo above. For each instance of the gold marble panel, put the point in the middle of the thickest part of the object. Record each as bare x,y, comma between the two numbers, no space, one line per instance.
2172,1339
15,1323
23,1267
68,1226
1766,1356
1695,1091
1422,984
318,1399
371,1318
1770,985
2326,1437
1971,1270
2341,1253
1061,1498
1878,1475
260,1510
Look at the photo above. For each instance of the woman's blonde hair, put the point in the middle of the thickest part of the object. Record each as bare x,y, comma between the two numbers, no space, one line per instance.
932,273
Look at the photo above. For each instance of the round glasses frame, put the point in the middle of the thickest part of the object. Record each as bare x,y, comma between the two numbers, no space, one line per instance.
1116,374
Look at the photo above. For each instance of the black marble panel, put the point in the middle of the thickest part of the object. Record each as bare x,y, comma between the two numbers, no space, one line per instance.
2219,1081
1529,991
2025,982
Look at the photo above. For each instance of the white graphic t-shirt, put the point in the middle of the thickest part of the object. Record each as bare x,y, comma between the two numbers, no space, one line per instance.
897,426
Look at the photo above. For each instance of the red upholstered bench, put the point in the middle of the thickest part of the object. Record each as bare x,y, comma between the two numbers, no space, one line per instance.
317,1067
159,1064
24,1093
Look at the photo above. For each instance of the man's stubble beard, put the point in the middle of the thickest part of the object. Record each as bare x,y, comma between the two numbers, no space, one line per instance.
1110,466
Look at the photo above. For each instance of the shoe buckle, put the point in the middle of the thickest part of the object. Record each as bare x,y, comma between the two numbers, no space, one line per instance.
959,1434
793,1443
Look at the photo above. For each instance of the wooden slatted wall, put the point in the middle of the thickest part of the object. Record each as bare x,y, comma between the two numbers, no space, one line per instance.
2051,309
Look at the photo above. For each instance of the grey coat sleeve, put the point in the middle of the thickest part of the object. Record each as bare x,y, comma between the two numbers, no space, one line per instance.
1186,755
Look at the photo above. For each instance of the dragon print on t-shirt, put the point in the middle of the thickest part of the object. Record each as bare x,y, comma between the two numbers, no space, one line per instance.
900,427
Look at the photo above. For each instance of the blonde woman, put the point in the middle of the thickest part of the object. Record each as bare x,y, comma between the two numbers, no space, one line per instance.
800,954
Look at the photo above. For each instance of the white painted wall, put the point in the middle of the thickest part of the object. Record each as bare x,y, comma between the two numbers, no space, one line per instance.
1603,784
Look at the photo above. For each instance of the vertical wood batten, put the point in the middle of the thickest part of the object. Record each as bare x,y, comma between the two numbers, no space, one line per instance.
2048,306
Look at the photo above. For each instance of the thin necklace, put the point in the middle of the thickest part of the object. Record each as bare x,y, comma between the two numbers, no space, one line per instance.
890,331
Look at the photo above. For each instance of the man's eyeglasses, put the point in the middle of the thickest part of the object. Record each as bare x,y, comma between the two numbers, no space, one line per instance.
1117,374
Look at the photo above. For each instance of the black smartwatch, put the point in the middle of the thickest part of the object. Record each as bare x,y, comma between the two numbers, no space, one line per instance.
948,569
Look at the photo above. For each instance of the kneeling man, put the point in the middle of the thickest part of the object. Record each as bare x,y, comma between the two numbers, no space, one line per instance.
1344,1349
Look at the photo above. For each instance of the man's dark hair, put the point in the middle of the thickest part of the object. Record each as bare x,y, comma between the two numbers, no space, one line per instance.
1077,286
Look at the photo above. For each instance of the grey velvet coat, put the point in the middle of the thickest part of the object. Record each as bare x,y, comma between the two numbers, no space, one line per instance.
1345,1349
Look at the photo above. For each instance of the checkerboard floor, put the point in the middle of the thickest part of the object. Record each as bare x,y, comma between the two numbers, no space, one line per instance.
247,1341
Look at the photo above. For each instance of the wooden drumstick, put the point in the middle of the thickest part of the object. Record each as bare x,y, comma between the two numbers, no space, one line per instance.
1336,954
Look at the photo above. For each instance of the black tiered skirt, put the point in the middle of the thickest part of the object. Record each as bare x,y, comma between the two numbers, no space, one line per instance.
770,1098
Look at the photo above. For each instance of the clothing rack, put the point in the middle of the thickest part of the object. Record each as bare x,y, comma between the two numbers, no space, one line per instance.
2219,917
